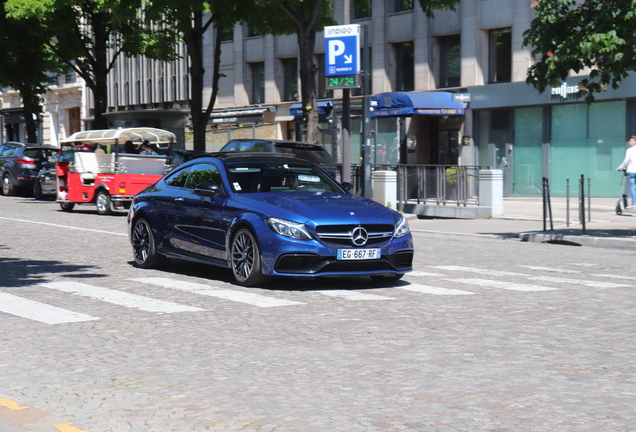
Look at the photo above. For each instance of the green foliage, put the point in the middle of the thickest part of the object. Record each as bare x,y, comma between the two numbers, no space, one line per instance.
570,35
428,6
451,175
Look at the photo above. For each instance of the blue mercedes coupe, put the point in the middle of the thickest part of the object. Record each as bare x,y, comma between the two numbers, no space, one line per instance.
266,215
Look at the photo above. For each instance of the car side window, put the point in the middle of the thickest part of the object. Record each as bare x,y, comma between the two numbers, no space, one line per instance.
245,146
178,178
8,150
230,146
202,173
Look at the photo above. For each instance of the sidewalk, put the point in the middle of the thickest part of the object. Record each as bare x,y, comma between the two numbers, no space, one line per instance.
523,219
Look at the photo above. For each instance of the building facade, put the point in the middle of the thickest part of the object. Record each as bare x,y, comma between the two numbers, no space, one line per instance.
475,52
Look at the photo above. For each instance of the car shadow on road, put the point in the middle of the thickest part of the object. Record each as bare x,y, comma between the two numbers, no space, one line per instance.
218,274
22,272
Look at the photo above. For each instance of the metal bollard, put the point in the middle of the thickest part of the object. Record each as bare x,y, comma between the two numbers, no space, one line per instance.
567,202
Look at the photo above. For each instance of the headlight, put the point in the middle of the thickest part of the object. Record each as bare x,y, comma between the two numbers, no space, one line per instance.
402,227
288,228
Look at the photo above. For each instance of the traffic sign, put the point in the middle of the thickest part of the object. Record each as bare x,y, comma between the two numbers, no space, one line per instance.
342,50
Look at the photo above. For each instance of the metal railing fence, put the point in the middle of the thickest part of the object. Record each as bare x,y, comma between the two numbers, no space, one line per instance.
435,184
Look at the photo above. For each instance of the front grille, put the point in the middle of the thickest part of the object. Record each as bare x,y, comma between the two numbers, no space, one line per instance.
317,265
343,235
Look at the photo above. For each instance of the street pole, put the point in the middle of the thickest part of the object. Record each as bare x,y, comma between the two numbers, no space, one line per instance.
367,190
346,115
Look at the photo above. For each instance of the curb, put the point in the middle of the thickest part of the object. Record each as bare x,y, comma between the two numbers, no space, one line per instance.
602,242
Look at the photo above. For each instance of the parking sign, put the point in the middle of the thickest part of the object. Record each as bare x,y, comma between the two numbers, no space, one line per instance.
342,50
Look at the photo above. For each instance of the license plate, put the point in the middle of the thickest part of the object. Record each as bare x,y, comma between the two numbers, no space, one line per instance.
358,254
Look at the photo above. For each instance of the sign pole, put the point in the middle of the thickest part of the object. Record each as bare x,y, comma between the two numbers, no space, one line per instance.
346,115
367,189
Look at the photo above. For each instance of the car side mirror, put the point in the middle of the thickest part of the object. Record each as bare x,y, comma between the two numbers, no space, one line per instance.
207,189
347,186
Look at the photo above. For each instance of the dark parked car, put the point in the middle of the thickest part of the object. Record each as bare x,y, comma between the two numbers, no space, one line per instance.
266,215
311,152
45,184
20,164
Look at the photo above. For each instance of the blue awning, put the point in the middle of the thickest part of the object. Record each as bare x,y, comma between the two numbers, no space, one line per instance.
404,104
324,108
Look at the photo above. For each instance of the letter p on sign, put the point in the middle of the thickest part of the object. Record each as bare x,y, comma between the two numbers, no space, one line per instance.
336,48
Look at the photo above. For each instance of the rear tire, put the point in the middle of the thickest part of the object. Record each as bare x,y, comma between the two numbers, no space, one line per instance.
246,259
8,189
67,206
144,247
103,203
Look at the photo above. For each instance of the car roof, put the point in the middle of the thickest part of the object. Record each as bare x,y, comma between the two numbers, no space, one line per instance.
113,136
281,143
235,155
30,145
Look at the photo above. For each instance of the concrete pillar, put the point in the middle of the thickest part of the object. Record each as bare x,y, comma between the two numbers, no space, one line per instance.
385,188
491,192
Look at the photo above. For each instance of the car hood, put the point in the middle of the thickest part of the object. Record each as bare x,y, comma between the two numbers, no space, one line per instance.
319,207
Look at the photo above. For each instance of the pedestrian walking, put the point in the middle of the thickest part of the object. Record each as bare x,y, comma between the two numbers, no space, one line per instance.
629,166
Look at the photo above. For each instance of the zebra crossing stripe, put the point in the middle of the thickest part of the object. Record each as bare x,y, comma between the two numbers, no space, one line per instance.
416,273
207,290
614,276
119,298
550,269
488,272
486,283
353,295
589,283
425,289
36,311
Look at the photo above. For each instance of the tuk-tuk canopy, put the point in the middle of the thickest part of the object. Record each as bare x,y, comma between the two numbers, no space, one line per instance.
162,138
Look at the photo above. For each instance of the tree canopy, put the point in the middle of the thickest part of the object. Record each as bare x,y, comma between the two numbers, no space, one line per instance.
189,21
26,64
305,18
592,35
88,36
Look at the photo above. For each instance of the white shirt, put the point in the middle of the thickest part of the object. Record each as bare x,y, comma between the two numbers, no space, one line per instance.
629,164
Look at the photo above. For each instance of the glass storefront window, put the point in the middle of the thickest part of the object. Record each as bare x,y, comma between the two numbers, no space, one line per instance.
386,146
527,161
590,141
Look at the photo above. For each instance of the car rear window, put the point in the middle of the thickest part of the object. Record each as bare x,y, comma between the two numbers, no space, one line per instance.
315,156
39,153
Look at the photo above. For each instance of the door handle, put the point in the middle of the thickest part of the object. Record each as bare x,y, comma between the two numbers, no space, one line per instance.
178,200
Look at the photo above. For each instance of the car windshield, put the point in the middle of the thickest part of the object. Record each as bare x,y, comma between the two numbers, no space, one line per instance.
256,176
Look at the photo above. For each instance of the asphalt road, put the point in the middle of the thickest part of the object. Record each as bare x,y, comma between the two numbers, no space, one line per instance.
485,335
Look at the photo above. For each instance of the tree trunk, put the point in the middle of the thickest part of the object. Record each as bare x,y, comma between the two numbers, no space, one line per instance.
31,106
100,67
194,45
306,43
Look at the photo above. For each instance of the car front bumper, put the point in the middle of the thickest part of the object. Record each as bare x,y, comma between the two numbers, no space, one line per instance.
297,258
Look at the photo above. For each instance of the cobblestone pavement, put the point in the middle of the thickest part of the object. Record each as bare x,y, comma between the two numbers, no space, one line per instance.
485,335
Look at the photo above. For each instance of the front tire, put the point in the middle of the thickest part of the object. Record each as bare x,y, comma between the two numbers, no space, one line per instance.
246,259
103,203
144,247
8,189
37,190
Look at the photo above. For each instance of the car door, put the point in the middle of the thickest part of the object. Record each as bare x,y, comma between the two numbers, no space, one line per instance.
7,152
197,219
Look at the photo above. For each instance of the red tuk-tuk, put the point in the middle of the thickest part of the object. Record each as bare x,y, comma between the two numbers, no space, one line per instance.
105,168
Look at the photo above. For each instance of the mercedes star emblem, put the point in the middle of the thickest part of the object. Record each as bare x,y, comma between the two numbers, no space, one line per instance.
359,236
